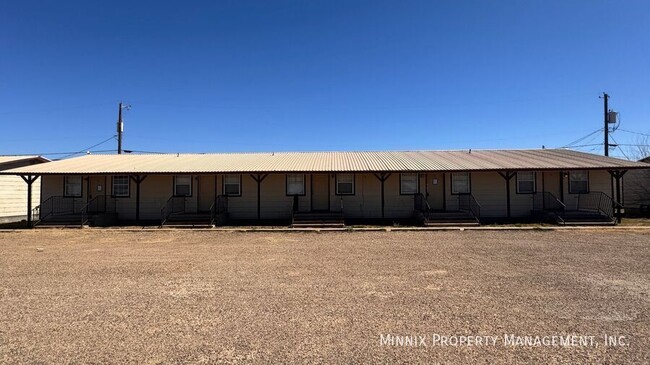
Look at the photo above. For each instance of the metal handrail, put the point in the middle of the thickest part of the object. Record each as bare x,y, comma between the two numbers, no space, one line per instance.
219,206
420,203
84,209
547,201
468,202
599,202
170,208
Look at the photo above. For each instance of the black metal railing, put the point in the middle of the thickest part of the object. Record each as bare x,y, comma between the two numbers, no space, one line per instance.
96,205
54,205
546,201
217,208
420,203
174,205
468,203
598,202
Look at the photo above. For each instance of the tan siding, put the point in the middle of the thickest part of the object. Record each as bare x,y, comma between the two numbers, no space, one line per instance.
636,187
13,196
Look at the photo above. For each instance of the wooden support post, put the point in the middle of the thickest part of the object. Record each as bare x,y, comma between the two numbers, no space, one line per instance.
259,178
29,179
507,176
444,192
617,176
382,177
137,179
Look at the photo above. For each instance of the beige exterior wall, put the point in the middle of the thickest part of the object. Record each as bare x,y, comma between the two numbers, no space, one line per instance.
636,188
13,198
489,189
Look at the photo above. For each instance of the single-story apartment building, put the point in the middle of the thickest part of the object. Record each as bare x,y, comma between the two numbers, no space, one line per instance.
13,190
304,188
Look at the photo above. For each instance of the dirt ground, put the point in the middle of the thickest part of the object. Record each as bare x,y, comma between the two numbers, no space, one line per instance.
109,296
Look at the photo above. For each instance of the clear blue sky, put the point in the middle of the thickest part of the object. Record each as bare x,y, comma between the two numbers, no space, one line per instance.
320,75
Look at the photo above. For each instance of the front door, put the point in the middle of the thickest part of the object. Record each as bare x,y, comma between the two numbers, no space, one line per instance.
97,187
320,192
206,192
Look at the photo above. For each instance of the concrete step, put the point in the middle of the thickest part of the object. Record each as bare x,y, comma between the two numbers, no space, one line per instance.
318,225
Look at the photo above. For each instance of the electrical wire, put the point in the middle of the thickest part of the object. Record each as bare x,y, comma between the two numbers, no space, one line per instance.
639,133
582,138
91,147
620,149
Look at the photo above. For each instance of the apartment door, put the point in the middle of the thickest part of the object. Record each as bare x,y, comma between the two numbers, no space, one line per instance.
97,186
206,192
320,192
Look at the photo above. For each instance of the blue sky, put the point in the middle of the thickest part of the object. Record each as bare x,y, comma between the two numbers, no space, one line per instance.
320,75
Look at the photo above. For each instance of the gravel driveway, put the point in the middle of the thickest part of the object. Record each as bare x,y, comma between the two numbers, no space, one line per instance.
109,296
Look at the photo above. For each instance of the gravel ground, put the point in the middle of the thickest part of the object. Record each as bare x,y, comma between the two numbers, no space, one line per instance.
105,296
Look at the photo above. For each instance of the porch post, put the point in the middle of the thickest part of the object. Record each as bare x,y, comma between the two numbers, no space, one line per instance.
29,179
382,177
507,176
259,178
617,176
137,179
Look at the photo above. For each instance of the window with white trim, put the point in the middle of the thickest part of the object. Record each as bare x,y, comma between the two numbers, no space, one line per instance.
525,182
183,185
460,183
345,184
408,184
121,186
232,185
72,186
295,184
578,182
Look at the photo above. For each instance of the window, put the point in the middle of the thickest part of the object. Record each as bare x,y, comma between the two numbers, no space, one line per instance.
345,184
578,182
183,185
460,183
72,186
408,184
295,184
525,182
121,186
232,185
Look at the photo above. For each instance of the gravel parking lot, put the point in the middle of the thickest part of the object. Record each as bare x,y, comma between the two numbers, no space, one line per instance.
110,296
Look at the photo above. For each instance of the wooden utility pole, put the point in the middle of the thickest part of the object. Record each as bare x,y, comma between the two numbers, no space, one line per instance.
120,129
605,102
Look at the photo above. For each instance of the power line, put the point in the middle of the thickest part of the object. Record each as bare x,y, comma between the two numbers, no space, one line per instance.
91,147
582,138
639,133
620,149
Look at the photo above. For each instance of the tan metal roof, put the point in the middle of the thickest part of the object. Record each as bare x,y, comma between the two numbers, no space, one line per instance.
13,161
475,160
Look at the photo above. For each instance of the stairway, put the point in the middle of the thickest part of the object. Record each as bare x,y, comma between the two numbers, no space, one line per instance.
582,218
61,221
188,220
318,220
449,219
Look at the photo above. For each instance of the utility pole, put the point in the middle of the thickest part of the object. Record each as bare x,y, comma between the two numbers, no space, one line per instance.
605,102
120,126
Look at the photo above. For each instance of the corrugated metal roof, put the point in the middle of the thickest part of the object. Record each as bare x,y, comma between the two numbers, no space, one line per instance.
5,159
475,160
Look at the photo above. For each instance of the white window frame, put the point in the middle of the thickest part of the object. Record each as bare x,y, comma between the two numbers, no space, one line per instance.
454,176
238,184
401,184
114,184
292,181
67,183
176,184
342,179
533,179
571,180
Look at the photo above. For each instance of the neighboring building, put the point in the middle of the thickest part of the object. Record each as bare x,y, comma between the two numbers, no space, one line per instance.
13,190
636,196
313,187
